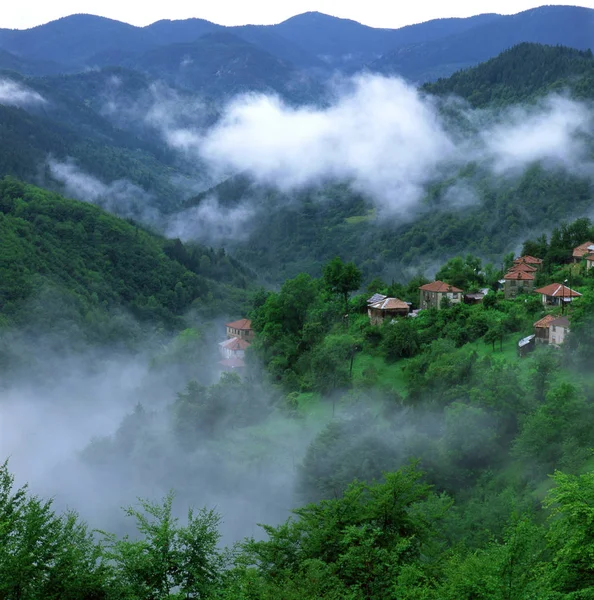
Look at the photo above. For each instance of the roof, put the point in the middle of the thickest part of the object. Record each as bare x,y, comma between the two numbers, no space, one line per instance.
523,266
525,341
390,304
557,290
545,322
235,344
531,260
232,363
244,324
561,322
376,298
583,249
514,274
440,287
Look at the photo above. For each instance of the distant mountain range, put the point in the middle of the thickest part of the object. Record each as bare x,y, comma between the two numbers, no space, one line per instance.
296,54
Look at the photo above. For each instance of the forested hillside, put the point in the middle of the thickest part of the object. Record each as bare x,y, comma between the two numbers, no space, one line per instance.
443,455
68,263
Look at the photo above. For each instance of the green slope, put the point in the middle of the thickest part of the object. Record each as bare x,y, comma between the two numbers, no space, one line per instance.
72,260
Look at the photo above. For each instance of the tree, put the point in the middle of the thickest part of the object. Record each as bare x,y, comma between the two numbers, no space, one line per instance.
342,279
169,560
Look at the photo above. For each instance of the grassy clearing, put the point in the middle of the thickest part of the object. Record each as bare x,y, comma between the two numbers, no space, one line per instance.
369,216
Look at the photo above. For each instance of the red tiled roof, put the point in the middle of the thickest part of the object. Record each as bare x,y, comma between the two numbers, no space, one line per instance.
557,290
390,304
517,275
235,344
440,287
582,249
561,322
244,324
522,266
545,321
232,363
531,260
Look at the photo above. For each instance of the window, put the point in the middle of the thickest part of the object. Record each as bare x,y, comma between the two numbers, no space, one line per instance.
455,296
554,328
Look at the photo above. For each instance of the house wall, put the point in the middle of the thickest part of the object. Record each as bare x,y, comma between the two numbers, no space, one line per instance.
433,299
376,317
557,334
243,334
589,263
542,335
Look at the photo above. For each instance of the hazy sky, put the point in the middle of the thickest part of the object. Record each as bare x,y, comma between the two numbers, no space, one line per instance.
377,13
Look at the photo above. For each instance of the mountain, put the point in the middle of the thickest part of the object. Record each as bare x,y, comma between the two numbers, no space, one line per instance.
506,79
64,261
222,63
346,43
300,232
553,25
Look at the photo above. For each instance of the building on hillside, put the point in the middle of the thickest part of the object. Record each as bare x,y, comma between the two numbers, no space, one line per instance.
241,329
590,261
387,308
233,348
517,282
541,329
557,294
558,330
477,297
526,345
582,250
524,267
528,260
433,293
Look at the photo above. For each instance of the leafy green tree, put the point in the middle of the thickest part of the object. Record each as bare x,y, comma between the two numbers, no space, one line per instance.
342,279
169,560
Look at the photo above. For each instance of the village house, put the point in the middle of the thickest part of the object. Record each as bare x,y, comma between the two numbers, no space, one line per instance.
375,299
241,329
524,267
528,260
433,293
557,294
386,308
582,251
541,329
234,348
590,261
558,330
232,364
517,282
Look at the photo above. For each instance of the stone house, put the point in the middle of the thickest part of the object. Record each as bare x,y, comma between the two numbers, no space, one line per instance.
528,260
541,329
518,282
387,308
433,293
241,329
557,294
233,348
558,330
582,250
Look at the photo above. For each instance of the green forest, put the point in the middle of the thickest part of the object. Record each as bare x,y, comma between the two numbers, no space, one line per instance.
423,458
446,466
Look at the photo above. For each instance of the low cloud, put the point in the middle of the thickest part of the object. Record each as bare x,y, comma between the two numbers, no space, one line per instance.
119,197
387,140
554,132
15,94
212,223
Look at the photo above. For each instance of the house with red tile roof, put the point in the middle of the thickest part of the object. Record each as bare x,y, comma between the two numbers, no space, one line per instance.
433,293
387,308
556,294
582,251
541,329
518,282
528,260
240,329
234,348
